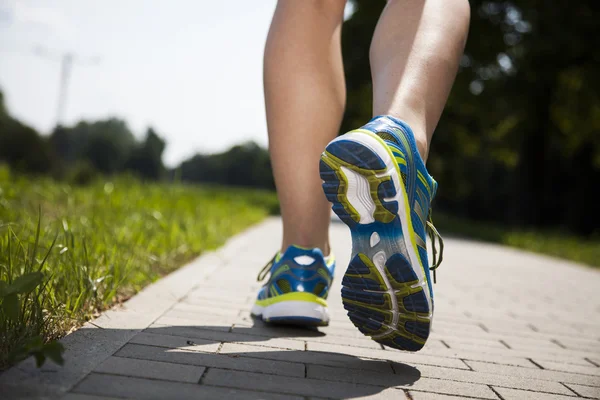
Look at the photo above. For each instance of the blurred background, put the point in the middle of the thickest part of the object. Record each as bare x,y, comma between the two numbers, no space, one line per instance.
154,89
124,125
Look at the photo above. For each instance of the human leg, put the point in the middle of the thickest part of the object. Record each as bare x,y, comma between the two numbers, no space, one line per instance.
305,99
414,57
376,178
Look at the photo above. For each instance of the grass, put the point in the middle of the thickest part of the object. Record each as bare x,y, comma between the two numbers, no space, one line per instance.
97,245
553,243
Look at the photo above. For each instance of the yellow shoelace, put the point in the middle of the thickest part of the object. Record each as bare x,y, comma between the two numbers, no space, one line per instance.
267,268
433,234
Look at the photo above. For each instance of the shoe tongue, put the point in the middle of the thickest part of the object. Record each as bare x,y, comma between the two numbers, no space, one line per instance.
304,260
304,255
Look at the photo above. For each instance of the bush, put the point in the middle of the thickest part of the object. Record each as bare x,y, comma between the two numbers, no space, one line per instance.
82,173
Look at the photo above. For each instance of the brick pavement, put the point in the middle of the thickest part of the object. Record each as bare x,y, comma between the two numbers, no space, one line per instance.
508,325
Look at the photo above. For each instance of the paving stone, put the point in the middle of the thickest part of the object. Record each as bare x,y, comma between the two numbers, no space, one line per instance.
238,336
353,342
264,330
531,336
585,391
392,355
175,342
515,394
506,357
222,325
234,362
200,318
576,369
205,309
151,369
543,374
513,381
493,340
414,395
81,396
290,385
138,388
308,357
232,304
545,346
406,377
474,345
595,361
385,394
589,346
84,350
545,333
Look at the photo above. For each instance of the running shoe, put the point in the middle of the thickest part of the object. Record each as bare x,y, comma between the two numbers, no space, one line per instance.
380,188
297,288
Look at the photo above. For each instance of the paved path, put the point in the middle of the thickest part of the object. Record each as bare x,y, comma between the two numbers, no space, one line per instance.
508,325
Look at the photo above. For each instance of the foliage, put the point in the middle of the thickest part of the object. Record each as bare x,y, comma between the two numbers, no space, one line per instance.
558,244
99,244
109,147
146,158
242,165
81,153
519,140
21,147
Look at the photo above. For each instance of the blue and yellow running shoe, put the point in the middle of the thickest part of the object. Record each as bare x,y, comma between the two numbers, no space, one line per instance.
297,289
380,188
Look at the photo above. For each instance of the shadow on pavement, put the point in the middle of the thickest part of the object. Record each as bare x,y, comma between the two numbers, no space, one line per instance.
261,359
333,375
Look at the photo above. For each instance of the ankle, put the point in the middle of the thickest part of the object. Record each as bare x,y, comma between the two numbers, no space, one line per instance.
324,247
418,128
423,148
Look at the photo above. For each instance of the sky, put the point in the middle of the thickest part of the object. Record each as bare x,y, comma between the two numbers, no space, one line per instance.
190,69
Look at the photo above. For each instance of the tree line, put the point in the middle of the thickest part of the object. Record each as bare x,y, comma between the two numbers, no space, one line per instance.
82,152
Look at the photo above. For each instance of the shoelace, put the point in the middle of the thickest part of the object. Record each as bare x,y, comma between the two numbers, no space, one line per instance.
265,270
433,234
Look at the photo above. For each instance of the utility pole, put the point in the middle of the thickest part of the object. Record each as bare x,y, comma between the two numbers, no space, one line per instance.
66,59
65,73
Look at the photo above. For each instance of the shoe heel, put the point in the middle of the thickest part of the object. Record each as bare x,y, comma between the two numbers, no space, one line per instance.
357,181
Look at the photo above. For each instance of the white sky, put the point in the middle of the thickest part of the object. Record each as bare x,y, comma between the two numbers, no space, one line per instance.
191,69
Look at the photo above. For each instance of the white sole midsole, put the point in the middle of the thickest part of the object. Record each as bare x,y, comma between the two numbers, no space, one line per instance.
292,309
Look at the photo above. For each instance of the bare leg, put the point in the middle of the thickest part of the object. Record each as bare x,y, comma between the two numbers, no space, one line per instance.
305,98
414,58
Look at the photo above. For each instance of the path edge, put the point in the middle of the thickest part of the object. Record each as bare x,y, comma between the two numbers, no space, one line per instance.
100,338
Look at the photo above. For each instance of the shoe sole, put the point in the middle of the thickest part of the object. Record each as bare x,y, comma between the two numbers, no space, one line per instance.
386,298
293,312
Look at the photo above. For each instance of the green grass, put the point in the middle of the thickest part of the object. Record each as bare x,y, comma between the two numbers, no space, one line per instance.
97,245
553,243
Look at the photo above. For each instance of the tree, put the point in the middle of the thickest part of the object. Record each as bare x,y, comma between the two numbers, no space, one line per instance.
146,159
243,165
107,144
21,147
